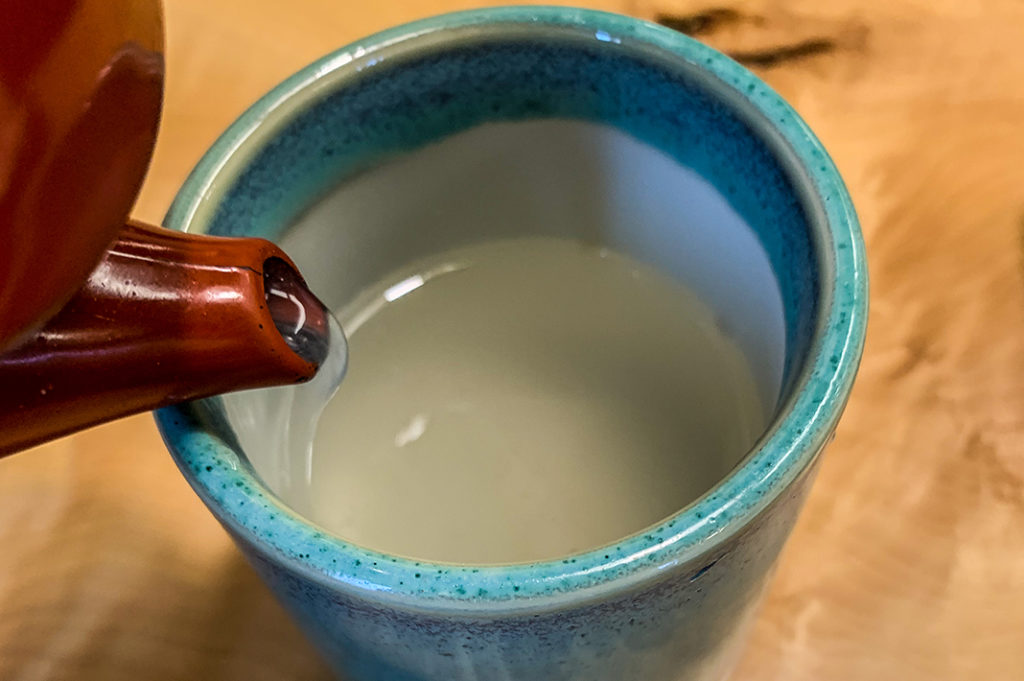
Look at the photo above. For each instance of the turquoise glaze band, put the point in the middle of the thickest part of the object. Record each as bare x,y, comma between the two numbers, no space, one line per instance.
232,191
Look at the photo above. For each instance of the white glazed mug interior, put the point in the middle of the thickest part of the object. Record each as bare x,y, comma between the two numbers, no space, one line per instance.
548,177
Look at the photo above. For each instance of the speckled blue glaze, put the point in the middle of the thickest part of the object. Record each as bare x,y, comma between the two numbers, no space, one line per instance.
670,602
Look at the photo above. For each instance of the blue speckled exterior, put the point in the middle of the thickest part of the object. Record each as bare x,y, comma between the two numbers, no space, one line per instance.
668,603
688,625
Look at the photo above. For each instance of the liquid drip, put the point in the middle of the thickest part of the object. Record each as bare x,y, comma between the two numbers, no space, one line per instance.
513,401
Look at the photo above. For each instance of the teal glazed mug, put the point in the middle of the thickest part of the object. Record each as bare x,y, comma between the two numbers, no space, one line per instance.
701,171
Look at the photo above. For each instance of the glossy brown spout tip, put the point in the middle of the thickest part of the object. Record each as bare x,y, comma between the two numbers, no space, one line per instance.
300,318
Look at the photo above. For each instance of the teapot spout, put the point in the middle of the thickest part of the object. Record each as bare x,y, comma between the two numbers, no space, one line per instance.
165,317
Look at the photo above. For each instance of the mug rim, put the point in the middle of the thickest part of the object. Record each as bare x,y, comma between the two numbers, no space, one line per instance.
799,431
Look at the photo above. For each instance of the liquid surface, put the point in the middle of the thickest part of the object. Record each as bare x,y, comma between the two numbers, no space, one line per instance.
516,401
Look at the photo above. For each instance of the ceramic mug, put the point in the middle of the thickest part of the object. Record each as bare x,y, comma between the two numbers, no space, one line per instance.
495,119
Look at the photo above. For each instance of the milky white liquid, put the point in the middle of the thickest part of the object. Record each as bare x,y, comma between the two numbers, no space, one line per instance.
521,400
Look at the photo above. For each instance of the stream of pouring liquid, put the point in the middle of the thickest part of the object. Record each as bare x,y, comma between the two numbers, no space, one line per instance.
287,424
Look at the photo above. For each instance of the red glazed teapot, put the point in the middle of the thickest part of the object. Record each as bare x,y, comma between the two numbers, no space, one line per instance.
101,317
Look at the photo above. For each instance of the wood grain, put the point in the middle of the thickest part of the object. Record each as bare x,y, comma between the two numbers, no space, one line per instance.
908,562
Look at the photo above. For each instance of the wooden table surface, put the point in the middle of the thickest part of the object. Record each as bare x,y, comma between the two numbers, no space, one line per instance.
908,562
